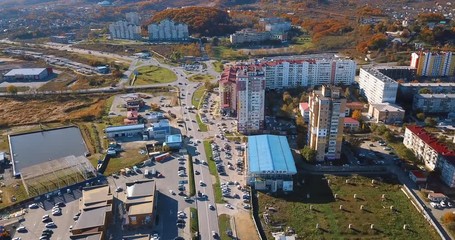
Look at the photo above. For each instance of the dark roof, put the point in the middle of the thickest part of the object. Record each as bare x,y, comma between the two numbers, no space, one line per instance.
33,148
92,218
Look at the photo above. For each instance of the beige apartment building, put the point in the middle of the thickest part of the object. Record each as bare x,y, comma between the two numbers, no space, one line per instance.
325,128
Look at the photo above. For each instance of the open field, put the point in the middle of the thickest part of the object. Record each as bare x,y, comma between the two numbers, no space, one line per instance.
294,210
201,78
19,89
154,75
197,96
128,158
17,190
213,171
23,110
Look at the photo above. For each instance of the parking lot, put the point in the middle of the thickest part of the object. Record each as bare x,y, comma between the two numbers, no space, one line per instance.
375,153
33,219
169,201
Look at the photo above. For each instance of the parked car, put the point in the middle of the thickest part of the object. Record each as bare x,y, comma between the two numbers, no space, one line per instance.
33,206
21,229
50,225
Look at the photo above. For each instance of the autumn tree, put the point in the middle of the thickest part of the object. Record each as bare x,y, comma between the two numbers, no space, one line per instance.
420,116
357,114
448,217
12,89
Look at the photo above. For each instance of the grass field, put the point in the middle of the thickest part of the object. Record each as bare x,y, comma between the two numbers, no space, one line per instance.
154,75
202,126
213,171
294,210
192,191
197,95
218,66
19,89
201,78
126,159
224,224
194,225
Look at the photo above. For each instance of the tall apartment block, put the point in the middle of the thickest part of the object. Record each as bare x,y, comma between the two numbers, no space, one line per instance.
168,30
432,64
309,72
242,92
133,18
124,30
325,127
377,87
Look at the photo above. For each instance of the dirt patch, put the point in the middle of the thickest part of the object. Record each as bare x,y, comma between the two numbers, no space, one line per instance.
245,226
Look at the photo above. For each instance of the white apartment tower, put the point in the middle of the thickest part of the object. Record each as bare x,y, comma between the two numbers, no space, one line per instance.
250,99
168,30
377,87
287,74
325,127
124,30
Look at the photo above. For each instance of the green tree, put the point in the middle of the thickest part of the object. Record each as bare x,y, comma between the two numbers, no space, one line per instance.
425,91
11,89
420,116
430,122
388,136
308,153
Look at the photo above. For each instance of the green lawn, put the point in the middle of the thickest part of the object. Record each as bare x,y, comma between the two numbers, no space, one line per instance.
202,126
191,176
213,171
201,78
194,225
197,95
154,75
224,224
294,210
218,66
126,159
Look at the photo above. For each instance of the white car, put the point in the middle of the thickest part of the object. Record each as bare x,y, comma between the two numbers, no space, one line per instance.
33,205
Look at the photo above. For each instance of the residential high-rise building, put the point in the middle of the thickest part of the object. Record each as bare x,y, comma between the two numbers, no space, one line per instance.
434,103
325,127
377,87
168,30
242,92
432,64
124,30
308,72
133,18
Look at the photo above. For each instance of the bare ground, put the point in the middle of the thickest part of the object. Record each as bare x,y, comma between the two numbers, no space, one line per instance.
244,226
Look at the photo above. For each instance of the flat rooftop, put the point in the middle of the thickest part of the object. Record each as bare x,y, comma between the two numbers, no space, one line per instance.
270,154
34,148
25,71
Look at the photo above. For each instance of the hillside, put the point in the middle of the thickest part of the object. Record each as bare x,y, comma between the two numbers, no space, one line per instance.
205,21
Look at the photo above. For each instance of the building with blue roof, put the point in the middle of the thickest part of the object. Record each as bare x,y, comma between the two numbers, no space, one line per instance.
174,141
125,131
160,129
270,163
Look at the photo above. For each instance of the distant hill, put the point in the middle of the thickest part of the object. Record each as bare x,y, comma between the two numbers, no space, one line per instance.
206,21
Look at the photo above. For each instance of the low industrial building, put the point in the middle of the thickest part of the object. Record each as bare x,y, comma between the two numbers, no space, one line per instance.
140,203
174,141
124,131
249,36
387,113
34,148
270,164
27,74
351,125
95,207
160,129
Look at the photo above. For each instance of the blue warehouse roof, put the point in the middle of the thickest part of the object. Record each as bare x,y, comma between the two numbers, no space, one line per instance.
124,128
270,154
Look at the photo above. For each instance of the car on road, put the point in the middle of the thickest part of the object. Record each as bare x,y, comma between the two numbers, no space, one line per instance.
197,172
119,189
180,221
201,183
172,192
214,235
211,207
33,206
